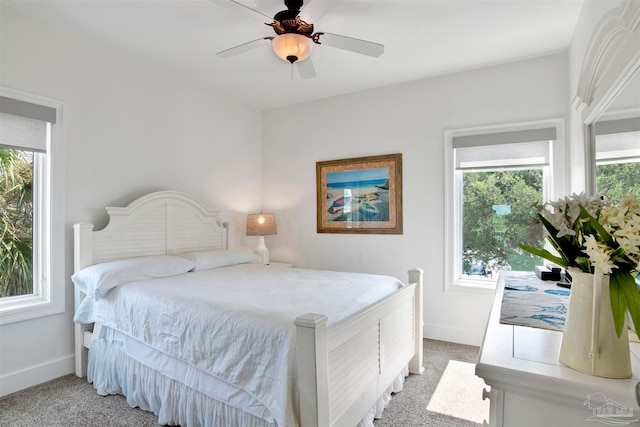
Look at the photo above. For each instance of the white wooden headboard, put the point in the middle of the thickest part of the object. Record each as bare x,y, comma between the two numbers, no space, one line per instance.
160,223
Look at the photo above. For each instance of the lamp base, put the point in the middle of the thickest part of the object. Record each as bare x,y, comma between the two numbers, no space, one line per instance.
262,251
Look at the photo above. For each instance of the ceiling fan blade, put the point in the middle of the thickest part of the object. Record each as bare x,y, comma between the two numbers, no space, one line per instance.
306,69
316,10
244,6
349,43
244,47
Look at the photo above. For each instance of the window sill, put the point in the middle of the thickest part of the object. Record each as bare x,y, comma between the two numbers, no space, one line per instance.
17,309
478,285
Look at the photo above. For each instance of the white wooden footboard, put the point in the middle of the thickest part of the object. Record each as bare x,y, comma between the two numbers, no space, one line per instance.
343,370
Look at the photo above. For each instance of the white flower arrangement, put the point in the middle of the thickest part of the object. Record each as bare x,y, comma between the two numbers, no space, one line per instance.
590,233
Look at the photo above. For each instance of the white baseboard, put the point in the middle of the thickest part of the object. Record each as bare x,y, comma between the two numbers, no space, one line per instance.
35,375
460,336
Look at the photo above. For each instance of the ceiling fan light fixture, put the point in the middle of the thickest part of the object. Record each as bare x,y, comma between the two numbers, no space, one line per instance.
292,47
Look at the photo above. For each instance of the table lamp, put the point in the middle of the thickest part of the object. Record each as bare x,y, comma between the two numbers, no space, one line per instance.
261,224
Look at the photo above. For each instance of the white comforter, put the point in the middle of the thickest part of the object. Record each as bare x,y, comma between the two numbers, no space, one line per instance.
236,323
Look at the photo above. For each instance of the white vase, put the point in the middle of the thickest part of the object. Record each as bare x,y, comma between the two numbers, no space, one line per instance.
589,341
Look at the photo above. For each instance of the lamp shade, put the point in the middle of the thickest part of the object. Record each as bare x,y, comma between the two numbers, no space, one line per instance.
292,47
261,224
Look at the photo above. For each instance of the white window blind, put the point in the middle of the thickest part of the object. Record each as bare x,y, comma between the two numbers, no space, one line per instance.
529,147
617,140
24,125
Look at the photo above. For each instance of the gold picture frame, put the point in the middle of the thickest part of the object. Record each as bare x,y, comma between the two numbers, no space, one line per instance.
360,195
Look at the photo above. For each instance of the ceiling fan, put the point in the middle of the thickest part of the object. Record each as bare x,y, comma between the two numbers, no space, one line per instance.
295,37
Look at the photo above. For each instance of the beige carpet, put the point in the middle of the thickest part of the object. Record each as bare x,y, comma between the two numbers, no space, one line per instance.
447,394
457,393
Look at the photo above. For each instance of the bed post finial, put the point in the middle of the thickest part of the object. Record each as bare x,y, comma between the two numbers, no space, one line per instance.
82,245
82,257
313,381
229,234
415,364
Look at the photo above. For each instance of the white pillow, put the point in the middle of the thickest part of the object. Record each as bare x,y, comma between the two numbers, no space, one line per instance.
207,260
98,279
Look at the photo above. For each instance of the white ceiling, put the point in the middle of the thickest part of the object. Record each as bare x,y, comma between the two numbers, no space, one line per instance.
422,38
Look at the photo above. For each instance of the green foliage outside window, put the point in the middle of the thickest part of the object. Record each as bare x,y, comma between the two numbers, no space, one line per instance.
16,222
498,215
618,179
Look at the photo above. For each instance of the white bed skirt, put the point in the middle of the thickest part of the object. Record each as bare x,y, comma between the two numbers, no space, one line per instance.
112,371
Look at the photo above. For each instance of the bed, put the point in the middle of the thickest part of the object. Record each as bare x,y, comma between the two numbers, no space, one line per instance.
331,368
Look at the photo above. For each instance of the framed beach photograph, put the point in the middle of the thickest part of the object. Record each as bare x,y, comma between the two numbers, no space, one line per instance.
360,195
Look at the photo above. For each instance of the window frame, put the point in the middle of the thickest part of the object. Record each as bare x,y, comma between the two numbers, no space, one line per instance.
593,133
553,184
49,281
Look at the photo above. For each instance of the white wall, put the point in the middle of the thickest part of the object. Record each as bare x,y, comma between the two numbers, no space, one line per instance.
410,119
130,128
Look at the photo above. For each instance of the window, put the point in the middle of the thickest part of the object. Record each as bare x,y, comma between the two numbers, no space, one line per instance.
32,252
495,177
16,220
617,153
